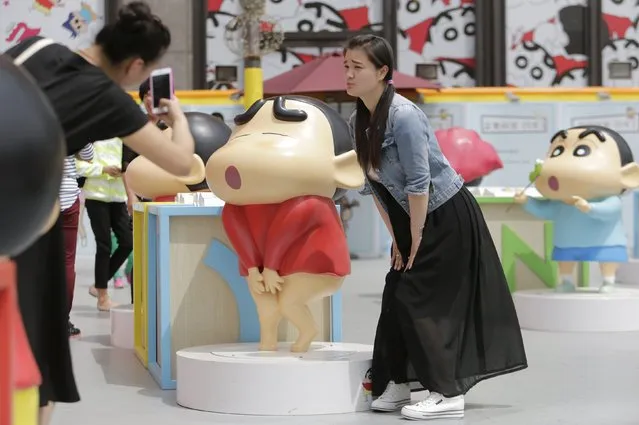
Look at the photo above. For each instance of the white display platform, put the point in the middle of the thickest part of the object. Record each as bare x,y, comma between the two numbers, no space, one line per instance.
583,311
122,326
331,378
628,273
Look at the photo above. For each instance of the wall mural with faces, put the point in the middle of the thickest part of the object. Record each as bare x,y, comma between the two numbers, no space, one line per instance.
292,16
74,23
440,31
546,44
621,18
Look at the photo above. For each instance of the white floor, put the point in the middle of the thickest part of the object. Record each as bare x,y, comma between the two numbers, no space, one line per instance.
572,379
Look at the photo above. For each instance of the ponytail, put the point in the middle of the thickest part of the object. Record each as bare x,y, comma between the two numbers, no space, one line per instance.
369,131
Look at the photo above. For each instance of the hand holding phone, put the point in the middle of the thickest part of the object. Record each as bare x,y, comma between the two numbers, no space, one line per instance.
161,87
174,111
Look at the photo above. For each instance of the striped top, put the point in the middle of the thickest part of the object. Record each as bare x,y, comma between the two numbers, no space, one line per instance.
100,186
69,190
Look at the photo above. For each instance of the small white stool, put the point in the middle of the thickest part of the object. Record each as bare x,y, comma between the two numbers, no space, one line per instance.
122,326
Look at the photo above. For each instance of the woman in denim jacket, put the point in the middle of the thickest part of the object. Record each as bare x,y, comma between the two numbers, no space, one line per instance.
447,319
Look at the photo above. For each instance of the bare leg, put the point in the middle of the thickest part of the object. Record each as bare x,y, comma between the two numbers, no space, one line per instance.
566,273
297,291
608,272
269,314
45,414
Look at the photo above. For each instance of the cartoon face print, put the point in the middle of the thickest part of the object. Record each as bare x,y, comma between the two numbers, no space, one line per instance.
453,73
623,50
313,16
584,162
452,34
367,382
78,21
414,12
75,24
573,78
529,65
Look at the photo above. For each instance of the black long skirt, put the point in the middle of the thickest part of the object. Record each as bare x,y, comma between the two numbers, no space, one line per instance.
43,305
449,322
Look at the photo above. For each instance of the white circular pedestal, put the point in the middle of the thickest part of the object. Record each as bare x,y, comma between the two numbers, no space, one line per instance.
122,326
331,378
583,311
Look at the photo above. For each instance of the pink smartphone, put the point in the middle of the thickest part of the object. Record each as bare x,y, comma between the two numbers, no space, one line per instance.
161,87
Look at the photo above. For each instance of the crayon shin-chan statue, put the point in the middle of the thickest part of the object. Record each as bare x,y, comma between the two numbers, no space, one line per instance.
285,163
150,181
585,172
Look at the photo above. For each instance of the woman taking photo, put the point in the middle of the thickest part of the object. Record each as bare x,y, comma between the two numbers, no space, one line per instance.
447,319
86,91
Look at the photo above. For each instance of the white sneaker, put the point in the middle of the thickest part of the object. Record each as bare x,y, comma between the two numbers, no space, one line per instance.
393,398
435,406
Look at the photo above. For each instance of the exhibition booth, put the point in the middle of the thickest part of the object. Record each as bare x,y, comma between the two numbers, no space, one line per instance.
195,326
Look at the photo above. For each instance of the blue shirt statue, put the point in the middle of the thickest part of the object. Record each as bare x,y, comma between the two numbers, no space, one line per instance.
582,179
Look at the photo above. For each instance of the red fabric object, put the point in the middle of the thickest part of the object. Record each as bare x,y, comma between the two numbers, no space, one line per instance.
166,198
302,234
467,153
70,221
326,74
18,368
8,303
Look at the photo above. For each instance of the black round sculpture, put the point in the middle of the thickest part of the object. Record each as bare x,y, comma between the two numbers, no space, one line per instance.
209,134
32,150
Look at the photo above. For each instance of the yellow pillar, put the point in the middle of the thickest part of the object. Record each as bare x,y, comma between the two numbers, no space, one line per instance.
25,406
253,82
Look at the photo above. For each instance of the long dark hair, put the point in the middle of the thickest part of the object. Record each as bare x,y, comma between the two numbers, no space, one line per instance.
369,131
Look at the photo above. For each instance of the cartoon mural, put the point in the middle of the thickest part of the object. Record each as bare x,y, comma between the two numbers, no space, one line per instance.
546,43
441,31
71,22
621,17
291,15
437,30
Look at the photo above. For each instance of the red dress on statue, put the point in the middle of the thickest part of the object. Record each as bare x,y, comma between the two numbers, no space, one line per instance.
300,235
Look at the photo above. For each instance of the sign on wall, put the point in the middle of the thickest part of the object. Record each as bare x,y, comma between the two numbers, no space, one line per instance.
74,23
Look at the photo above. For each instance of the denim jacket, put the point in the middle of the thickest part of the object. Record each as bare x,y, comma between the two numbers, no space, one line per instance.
412,162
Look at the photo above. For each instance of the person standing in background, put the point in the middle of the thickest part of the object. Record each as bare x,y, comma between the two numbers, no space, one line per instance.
106,205
70,211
